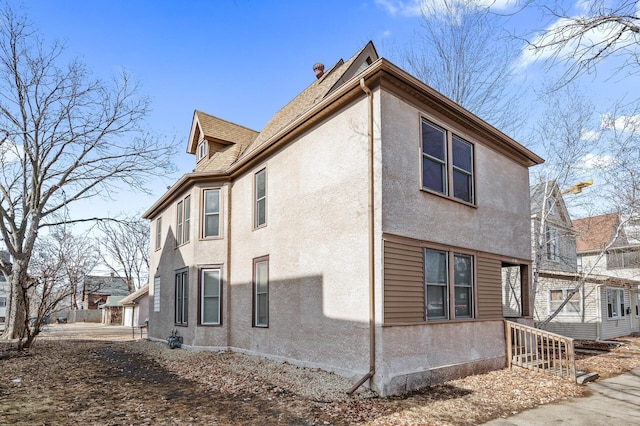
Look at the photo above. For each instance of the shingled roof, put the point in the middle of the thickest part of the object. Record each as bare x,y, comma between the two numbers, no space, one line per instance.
318,90
596,232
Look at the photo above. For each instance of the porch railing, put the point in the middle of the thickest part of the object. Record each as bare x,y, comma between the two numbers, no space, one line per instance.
539,350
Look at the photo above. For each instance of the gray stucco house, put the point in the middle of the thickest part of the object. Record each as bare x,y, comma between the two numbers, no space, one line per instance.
363,231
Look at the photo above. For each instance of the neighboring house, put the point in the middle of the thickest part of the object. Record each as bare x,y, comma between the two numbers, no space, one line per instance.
363,231
4,298
603,307
609,245
99,288
112,310
4,290
136,307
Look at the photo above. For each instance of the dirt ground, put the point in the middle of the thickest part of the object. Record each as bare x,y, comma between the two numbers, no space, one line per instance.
103,376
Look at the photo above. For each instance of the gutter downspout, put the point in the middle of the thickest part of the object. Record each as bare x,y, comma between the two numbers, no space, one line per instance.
372,318
599,308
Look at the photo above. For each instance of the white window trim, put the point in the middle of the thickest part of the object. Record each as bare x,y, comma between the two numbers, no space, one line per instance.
551,244
202,149
156,294
564,310
615,315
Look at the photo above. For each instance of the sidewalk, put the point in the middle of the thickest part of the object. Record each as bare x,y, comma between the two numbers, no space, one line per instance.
612,401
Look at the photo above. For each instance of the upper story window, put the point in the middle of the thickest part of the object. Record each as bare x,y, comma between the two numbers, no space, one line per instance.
552,244
623,258
211,213
557,297
184,221
447,163
202,150
158,233
260,202
439,266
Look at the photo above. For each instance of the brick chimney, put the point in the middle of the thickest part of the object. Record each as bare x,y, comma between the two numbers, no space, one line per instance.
319,69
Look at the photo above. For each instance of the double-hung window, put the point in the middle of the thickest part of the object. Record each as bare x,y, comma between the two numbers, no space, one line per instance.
261,292
181,297
463,285
210,296
158,233
551,238
447,163
202,150
615,302
184,221
260,201
211,213
156,294
558,296
441,290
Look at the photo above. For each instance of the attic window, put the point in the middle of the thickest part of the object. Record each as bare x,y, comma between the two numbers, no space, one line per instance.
365,64
202,150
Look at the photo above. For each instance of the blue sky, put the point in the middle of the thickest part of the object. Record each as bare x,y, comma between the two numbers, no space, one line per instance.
240,60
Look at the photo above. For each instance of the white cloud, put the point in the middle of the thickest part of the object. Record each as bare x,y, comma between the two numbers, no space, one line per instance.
412,8
399,7
564,29
591,162
629,123
10,152
589,135
386,34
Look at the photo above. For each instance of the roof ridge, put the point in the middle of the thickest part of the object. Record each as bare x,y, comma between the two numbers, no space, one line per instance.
305,100
197,111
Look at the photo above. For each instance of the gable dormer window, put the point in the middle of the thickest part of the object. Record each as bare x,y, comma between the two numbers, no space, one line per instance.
202,149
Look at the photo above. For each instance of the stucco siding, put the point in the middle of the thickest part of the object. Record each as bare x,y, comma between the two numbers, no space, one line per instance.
417,356
497,224
192,255
317,241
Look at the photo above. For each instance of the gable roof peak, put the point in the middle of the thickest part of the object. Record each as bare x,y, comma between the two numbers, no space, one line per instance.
324,84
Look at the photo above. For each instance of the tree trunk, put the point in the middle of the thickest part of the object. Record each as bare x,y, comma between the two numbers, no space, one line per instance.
17,309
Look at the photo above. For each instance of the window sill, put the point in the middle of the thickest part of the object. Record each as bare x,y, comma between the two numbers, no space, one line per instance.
211,238
448,197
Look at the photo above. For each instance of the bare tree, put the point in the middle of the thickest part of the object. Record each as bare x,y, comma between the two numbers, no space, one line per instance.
79,256
563,134
58,263
125,249
464,53
617,164
600,30
64,136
